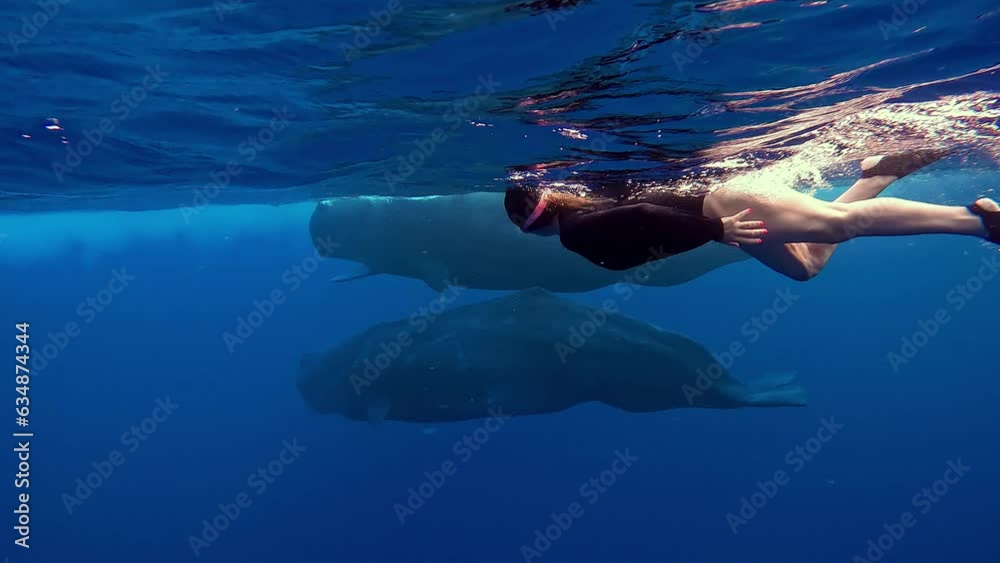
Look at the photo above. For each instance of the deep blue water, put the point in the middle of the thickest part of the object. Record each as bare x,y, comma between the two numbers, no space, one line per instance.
807,89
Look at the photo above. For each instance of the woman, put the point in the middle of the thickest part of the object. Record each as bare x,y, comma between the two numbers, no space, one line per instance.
791,233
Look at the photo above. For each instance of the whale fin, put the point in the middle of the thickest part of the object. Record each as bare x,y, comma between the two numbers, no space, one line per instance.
538,293
533,297
780,390
362,273
377,411
434,274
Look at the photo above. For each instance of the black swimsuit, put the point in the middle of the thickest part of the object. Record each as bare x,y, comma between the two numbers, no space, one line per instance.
623,236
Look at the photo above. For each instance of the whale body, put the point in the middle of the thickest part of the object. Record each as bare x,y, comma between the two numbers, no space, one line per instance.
514,355
469,238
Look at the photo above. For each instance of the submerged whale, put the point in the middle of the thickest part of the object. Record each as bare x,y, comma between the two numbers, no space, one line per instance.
469,238
515,355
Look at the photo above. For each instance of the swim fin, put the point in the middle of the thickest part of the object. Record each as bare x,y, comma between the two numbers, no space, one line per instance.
904,163
991,220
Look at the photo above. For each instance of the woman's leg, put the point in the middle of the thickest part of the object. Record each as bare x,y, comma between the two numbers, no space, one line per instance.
804,260
813,256
797,260
869,185
833,223
795,219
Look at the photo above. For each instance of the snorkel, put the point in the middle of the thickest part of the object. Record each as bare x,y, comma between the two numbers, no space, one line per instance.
539,209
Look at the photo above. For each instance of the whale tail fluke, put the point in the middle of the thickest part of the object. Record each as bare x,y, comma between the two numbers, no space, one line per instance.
776,391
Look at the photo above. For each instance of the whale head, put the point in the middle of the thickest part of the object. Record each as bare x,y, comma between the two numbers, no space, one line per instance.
345,228
325,382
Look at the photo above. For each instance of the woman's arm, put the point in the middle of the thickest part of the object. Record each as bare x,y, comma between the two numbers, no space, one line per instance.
627,236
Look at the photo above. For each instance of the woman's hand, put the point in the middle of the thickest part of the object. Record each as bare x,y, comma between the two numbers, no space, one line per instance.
736,231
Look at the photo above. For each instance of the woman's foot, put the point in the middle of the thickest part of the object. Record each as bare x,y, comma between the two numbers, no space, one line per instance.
900,164
989,212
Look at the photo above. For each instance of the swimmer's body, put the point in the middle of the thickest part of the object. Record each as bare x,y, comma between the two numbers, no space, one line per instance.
791,233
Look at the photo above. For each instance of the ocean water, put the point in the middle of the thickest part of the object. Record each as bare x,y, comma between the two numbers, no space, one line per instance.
211,130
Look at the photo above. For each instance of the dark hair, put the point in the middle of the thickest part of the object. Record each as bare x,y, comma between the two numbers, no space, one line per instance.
521,201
